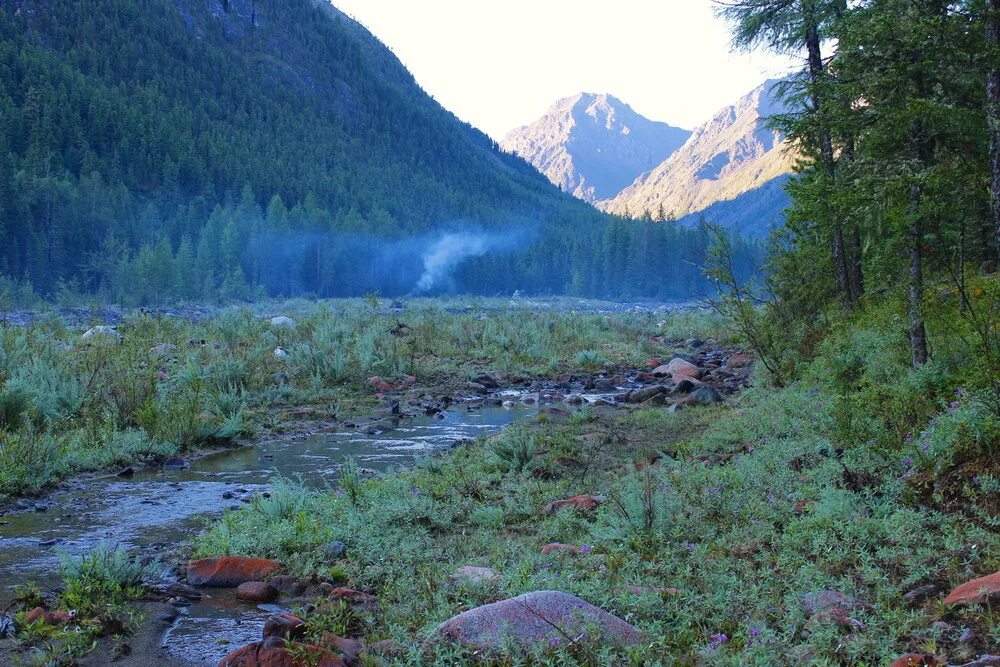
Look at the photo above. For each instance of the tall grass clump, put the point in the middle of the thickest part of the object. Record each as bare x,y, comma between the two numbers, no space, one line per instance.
516,447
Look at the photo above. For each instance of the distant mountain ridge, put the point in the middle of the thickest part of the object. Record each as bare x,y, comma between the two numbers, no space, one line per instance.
594,145
731,168
732,154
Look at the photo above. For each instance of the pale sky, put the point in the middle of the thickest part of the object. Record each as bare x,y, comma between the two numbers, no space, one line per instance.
499,65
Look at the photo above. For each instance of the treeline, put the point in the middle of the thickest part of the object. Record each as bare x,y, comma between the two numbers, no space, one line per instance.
245,252
161,150
899,124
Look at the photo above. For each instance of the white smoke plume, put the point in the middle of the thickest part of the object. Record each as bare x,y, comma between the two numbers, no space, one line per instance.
441,258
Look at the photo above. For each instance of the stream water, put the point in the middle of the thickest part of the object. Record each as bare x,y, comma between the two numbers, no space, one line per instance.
157,509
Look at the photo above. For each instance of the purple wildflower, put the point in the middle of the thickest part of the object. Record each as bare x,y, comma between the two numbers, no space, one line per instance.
717,640
960,392
755,634
585,549
907,462
925,447
553,641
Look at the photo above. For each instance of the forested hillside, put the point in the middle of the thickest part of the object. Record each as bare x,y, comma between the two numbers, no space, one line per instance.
181,149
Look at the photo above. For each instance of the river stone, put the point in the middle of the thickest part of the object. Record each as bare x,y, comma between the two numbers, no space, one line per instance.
977,591
8,628
284,625
533,618
256,591
274,652
102,332
335,549
229,571
704,396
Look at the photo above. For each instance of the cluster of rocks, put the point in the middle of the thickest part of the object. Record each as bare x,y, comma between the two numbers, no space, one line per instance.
703,377
540,616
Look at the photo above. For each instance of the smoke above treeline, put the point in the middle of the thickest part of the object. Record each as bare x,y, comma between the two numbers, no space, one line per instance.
331,264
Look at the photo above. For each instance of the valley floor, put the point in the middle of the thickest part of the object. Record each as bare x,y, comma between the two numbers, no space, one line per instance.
819,524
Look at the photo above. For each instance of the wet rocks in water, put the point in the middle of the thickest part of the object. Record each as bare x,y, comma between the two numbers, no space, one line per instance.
126,473
229,571
646,393
284,625
578,503
8,628
487,381
530,619
977,591
175,589
474,575
256,591
476,388
275,652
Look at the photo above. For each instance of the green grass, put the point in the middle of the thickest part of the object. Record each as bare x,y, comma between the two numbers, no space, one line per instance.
749,508
68,405
98,591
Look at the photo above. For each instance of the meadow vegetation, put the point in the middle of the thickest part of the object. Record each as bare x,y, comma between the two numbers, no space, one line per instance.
159,386
785,527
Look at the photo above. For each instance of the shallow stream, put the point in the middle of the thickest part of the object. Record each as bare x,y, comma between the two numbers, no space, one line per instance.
159,509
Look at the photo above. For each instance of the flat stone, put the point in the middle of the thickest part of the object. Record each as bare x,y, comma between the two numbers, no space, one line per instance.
532,618
977,591
229,571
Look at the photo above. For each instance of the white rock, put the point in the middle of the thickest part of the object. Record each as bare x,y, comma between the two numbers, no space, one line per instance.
102,331
280,353
282,321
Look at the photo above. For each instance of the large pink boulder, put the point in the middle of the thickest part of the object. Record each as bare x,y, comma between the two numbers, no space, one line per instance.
529,619
678,369
229,571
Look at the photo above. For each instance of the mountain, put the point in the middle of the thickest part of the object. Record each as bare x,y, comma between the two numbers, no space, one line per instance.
593,146
753,214
732,154
158,150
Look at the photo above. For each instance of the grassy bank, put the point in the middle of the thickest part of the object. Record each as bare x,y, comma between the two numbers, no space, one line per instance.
157,386
785,528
